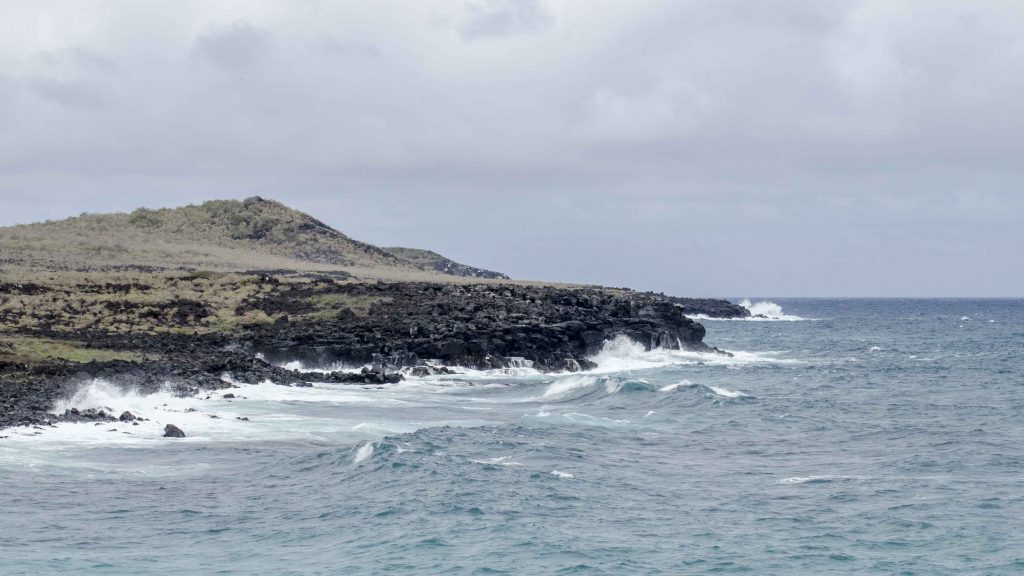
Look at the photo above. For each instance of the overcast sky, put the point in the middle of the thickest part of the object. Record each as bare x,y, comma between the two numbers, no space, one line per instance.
719,147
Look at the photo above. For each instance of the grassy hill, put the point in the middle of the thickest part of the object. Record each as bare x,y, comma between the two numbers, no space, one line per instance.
433,261
219,236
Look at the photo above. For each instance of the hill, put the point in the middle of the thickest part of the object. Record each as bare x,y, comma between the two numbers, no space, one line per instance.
434,261
221,236
182,297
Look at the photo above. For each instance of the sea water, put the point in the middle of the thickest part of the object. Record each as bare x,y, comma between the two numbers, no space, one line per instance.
843,436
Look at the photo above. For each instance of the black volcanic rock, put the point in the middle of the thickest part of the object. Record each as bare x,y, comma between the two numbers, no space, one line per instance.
481,326
399,325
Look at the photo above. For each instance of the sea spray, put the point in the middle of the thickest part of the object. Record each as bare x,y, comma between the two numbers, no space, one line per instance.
763,311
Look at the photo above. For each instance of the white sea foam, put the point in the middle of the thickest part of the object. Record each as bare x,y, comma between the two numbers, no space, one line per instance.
820,478
269,411
568,384
364,453
498,461
576,419
300,366
770,310
725,393
621,354
561,474
471,374
352,415
199,418
676,386
763,311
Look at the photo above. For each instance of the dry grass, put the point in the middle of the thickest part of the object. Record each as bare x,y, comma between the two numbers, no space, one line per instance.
330,304
128,302
219,236
31,350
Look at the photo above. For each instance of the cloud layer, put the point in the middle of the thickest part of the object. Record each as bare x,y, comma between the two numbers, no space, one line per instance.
700,147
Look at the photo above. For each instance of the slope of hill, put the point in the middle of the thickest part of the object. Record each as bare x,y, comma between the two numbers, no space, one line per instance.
434,261
222,235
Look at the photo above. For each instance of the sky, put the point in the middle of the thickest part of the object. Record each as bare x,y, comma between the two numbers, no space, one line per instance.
708,148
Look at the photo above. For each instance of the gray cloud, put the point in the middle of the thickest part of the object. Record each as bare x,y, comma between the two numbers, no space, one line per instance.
341,47
78,58
70,94
487,18
700,147
233,46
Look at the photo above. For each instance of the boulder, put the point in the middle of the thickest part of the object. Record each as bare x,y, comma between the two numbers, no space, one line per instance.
172,431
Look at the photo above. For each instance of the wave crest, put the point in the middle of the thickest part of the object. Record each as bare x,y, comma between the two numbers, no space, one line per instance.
763,311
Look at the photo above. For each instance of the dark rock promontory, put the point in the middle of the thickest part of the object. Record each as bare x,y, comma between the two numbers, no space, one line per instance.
426,327
482,326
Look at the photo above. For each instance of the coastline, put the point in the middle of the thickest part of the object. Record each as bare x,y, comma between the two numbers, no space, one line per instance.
319,320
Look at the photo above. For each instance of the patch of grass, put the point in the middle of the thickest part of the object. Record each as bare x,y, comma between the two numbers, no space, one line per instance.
328,305
201,274
30,350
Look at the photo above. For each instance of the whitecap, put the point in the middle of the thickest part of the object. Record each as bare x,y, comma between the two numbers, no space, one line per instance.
561,474
498,461
364,453
576,419
623,354
770,310
725,393
818,479
564,386
302,367
676,386
763,311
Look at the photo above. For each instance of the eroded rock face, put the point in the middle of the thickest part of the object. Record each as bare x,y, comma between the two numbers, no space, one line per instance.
482,326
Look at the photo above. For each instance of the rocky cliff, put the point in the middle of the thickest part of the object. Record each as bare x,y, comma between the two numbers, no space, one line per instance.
480,326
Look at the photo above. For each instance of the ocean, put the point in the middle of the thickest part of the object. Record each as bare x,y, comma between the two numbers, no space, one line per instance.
845,436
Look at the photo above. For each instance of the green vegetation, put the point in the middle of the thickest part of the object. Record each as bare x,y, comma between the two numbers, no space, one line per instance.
123,303
430,260
328,305
216,237
194,303
31,350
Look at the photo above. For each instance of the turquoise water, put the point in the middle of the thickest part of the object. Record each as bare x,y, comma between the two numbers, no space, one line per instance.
871,437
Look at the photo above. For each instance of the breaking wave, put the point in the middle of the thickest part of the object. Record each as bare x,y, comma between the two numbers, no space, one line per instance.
768,311
622,354
360,414
763,311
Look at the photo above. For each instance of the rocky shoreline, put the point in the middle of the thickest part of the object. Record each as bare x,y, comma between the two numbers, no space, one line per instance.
482,326
421,327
